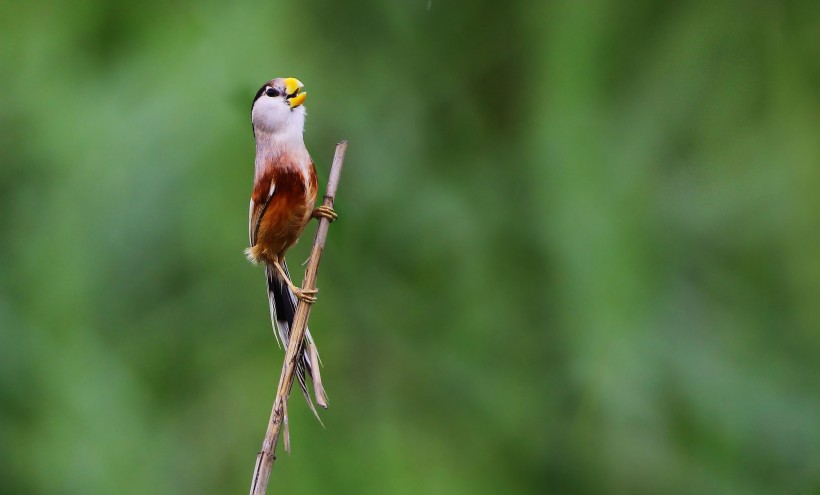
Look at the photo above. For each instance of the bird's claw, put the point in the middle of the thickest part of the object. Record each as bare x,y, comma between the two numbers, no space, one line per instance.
325,212
306,295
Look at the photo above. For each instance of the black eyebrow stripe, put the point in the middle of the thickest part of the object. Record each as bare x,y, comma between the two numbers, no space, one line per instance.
259,94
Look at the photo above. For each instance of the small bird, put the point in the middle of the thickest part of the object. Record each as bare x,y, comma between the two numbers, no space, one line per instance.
282,204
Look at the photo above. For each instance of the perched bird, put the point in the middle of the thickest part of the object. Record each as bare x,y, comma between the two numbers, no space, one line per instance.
282,204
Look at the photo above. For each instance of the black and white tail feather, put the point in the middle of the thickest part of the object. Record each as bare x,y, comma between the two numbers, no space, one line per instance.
282,310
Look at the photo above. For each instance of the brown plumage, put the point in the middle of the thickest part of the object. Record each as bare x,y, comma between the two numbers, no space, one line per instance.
278,220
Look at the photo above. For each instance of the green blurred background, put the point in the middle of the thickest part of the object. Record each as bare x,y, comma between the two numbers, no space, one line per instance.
579,247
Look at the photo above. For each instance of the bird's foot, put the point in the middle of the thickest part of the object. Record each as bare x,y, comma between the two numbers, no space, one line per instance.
306,295
325,212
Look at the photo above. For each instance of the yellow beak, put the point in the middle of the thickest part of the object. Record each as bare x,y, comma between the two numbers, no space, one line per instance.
295,96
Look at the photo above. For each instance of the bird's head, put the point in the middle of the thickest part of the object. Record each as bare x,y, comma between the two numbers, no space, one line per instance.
277,106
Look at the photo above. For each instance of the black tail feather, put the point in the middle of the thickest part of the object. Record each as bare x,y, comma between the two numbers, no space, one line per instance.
283,309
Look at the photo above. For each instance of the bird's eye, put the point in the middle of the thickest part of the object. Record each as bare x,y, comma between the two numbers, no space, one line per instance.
271,92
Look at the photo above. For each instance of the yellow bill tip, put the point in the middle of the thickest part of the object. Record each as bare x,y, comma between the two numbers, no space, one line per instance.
297,100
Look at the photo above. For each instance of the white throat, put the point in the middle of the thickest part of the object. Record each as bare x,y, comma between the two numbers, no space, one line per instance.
287,139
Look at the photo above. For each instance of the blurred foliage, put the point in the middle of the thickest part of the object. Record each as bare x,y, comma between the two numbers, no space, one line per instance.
578,250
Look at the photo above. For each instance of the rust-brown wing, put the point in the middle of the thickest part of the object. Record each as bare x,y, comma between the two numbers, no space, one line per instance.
263,191
313,186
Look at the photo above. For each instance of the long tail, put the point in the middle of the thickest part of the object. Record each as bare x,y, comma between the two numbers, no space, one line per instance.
282,310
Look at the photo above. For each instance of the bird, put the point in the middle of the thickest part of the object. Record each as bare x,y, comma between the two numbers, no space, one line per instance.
281,206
